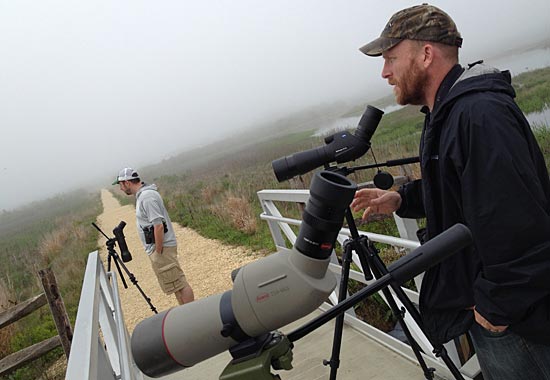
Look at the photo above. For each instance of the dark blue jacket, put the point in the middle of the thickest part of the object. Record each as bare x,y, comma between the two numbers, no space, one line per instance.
482,166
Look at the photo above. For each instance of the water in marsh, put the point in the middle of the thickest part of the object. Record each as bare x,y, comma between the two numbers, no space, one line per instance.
517,63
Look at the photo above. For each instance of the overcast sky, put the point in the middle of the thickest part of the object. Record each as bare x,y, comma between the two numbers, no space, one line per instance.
88,87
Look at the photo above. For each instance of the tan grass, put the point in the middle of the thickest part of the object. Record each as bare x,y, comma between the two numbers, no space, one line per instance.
238,211
51,245
209,193
6,301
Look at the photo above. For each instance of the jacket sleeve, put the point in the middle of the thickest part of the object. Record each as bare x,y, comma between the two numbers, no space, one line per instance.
412,205
505,205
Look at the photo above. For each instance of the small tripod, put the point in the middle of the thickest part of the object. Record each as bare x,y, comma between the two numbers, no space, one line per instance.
113,255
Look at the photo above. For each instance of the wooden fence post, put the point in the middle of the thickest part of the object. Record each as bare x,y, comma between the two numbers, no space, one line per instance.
57,308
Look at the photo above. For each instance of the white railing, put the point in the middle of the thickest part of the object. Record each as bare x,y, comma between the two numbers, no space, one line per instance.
284,236
100,347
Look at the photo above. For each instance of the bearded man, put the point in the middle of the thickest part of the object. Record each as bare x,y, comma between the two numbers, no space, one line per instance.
481,166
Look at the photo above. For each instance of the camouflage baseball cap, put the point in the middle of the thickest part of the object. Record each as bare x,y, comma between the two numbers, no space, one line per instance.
421,22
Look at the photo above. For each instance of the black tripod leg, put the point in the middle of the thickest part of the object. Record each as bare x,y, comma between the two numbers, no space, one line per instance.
438,351
334,361
134,281
109,262
147,299
428,371
441,352
120,274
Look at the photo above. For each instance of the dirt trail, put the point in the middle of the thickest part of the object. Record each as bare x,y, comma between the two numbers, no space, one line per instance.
207,263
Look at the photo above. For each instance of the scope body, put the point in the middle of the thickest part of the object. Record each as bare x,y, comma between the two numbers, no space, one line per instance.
266,295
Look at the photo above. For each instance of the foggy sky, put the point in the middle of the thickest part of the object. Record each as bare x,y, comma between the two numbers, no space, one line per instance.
88,87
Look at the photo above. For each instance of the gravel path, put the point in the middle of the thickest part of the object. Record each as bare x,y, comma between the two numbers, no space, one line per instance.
206,263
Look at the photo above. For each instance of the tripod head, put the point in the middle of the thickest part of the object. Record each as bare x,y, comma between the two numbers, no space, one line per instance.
382,180
119,238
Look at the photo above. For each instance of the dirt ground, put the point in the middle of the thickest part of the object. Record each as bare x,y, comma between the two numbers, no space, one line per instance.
206,263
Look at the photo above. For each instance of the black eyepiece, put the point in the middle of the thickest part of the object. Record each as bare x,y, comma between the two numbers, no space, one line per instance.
330,195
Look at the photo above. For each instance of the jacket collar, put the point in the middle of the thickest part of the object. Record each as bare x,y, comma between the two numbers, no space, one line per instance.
445,86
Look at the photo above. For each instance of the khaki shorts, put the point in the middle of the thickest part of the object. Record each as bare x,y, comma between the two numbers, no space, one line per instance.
167,268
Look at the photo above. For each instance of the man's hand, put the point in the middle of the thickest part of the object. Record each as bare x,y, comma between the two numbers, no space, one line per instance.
488,325
376,201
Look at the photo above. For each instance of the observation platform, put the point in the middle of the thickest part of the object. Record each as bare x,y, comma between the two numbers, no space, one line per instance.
360,358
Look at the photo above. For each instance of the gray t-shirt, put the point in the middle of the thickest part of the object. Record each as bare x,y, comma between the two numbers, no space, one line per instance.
150,211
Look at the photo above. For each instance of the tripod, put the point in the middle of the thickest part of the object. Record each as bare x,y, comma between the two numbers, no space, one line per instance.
370,261
113,256
369,258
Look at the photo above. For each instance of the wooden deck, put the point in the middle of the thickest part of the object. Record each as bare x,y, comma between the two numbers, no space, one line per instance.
360,358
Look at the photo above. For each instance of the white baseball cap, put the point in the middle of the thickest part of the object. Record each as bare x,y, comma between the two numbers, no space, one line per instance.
126,174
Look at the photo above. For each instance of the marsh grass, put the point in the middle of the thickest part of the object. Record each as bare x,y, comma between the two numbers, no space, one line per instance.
533,90
7,300
238,212
57,234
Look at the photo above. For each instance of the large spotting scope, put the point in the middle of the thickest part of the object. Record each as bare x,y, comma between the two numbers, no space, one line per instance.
267,294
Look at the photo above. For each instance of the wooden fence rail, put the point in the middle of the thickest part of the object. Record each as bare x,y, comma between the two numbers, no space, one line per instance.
51,296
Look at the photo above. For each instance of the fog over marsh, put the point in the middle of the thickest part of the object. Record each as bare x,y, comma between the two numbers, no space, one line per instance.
89,87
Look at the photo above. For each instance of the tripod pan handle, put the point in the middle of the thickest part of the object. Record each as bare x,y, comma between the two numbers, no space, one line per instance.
432,252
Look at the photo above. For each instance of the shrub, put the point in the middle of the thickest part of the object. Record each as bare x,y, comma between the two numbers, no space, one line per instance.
238,212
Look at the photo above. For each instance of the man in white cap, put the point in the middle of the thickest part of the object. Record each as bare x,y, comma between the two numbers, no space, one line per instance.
157,234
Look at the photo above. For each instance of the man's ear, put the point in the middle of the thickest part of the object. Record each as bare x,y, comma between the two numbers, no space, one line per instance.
429,53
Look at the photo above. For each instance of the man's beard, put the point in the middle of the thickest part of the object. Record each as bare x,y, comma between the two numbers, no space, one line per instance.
410,90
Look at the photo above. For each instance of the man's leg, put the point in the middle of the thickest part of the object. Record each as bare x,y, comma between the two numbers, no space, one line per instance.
185,295
170,275
508,356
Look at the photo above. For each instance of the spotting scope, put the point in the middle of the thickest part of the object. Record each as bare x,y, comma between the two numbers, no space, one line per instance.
119,235
267,294
340,147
